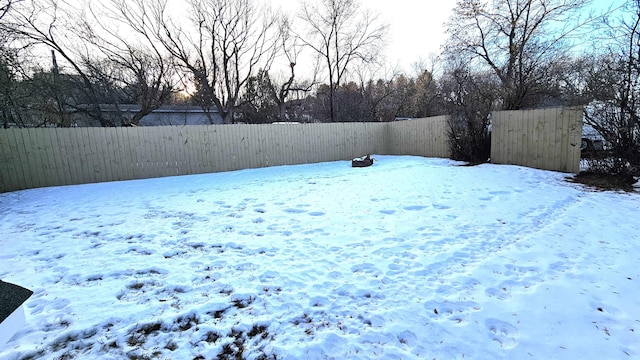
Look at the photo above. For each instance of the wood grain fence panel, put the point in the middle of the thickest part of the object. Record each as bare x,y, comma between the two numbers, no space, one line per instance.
53,174
174,151
130,137
537,138
84,154
104,159
99,162
328,135
79,155
547,143
162,151
225,154
70,160
248,146
34,160
185,164
120,164
32,156
137,149
70,150
20,148
561,131
210,150
575,136
572,134
269,148
424,137
285,141
261,146
171,150
231,140
159,153
223,141
189,141
122,136
296,136
194,136
40,148
497,142
280,151
147,151
532,137
14,160
115,153
97,158
62,160
143,153
10,180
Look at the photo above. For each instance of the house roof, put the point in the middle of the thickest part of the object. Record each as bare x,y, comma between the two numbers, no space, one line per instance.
11,297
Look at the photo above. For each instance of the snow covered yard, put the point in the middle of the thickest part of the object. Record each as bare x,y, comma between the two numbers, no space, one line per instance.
412,258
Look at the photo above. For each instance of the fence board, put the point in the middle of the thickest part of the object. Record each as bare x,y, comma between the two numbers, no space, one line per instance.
8,167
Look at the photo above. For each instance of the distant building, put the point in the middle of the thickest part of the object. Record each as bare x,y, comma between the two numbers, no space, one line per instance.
166,115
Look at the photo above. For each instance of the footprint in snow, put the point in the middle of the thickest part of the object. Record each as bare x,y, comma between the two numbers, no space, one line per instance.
458,312
415,207
294,211
499,293
441,207
502,332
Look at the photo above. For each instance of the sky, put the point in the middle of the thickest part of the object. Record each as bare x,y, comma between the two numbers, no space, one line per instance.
416,28
411,258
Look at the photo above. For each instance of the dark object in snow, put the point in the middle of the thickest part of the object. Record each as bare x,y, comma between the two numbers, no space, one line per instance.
11,312
362,161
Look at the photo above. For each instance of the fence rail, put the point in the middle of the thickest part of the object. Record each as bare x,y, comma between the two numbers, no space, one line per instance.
39,157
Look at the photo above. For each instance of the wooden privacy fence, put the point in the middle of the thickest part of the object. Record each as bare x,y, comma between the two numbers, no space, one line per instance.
542,138
38,157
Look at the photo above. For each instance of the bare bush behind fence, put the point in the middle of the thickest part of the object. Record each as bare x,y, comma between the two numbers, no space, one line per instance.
39,157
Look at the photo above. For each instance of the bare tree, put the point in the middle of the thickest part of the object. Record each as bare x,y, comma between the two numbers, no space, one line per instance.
135,63
292,46
614,82
226,42
6,5
340,33
518,40
46,22
267,98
